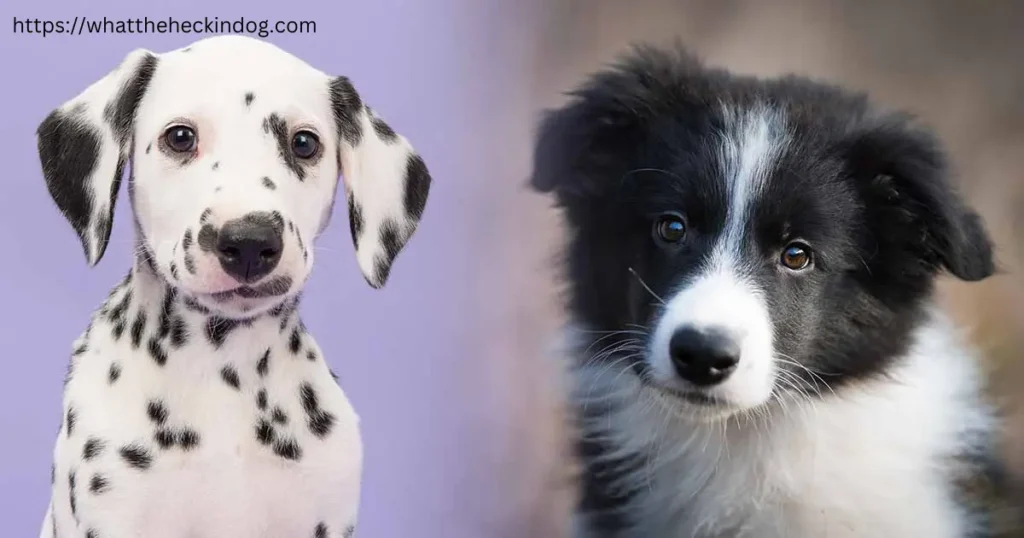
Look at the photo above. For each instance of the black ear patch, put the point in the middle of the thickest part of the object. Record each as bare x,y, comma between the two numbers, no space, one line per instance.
347,106
903,174
69,149
417,186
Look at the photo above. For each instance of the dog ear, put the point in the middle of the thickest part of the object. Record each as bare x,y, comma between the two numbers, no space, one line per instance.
903,172
386,182
84,145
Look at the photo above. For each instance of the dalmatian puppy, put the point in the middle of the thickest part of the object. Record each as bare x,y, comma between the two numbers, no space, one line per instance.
196,405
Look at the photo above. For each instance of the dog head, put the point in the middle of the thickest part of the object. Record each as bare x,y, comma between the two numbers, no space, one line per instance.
235,149
744,239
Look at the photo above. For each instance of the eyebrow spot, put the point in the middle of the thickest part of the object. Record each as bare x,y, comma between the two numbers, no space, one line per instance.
249,96
216,165
269,183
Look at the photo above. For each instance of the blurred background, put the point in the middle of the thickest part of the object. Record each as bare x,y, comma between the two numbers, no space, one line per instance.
957,64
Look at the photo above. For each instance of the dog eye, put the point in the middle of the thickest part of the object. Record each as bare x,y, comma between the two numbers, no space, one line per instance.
796,256
670,228
305,144
180,138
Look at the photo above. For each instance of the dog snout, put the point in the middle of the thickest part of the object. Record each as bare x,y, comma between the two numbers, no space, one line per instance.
250,247
704,357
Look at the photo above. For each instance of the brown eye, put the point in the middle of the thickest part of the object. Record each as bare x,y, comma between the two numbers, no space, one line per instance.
180,138
796,256
670,228
305,144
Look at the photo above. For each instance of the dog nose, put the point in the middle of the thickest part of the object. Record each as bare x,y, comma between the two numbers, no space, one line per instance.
703,357
249,247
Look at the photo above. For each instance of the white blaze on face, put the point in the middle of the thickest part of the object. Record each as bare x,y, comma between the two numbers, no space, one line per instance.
720,297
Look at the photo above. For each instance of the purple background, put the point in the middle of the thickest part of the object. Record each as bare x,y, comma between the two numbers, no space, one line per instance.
410,355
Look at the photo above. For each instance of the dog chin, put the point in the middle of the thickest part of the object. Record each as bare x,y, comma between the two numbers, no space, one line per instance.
244,301
698,405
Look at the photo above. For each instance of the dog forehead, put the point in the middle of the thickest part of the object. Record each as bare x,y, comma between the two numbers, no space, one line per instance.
228,72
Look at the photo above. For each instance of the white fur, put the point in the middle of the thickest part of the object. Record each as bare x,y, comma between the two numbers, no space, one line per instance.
871,461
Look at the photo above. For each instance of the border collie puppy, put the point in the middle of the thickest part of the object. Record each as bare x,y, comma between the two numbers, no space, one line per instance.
757,348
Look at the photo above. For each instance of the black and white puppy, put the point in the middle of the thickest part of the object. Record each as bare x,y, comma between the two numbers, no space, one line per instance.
196,405
757,352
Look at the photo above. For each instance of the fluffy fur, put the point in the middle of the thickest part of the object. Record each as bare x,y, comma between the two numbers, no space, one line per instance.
196,404
834,398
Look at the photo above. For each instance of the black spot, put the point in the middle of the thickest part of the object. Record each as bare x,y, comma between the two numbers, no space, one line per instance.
93,447
164,438
291,226
174,271
205,217
417,186
149,148
320,422
166,311
188,438
207,238
334,376
70,418
320,531
269,183
218,329
80,350
186,241
276,126
53,473
349,532
156,411
391,246
91,533
119,310
98,484
179,333
287,449
249,96
278,416
261,399
194,305
215,166
156,352
346,105
264,432
311,355
186,49
71,494
190,263
230,376
114,373
355,220
264,364
138,327
118,330
383,130
136,456
295,341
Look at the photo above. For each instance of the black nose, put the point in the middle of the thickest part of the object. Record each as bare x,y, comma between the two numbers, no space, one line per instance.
703,357
249,247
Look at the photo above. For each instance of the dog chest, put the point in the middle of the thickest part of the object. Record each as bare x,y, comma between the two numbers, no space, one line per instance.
249,439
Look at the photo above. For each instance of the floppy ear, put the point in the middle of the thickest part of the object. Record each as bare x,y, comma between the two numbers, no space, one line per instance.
386,182
903,172
84,145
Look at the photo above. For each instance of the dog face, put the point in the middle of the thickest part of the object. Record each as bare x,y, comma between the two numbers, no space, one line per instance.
738,241
236,148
